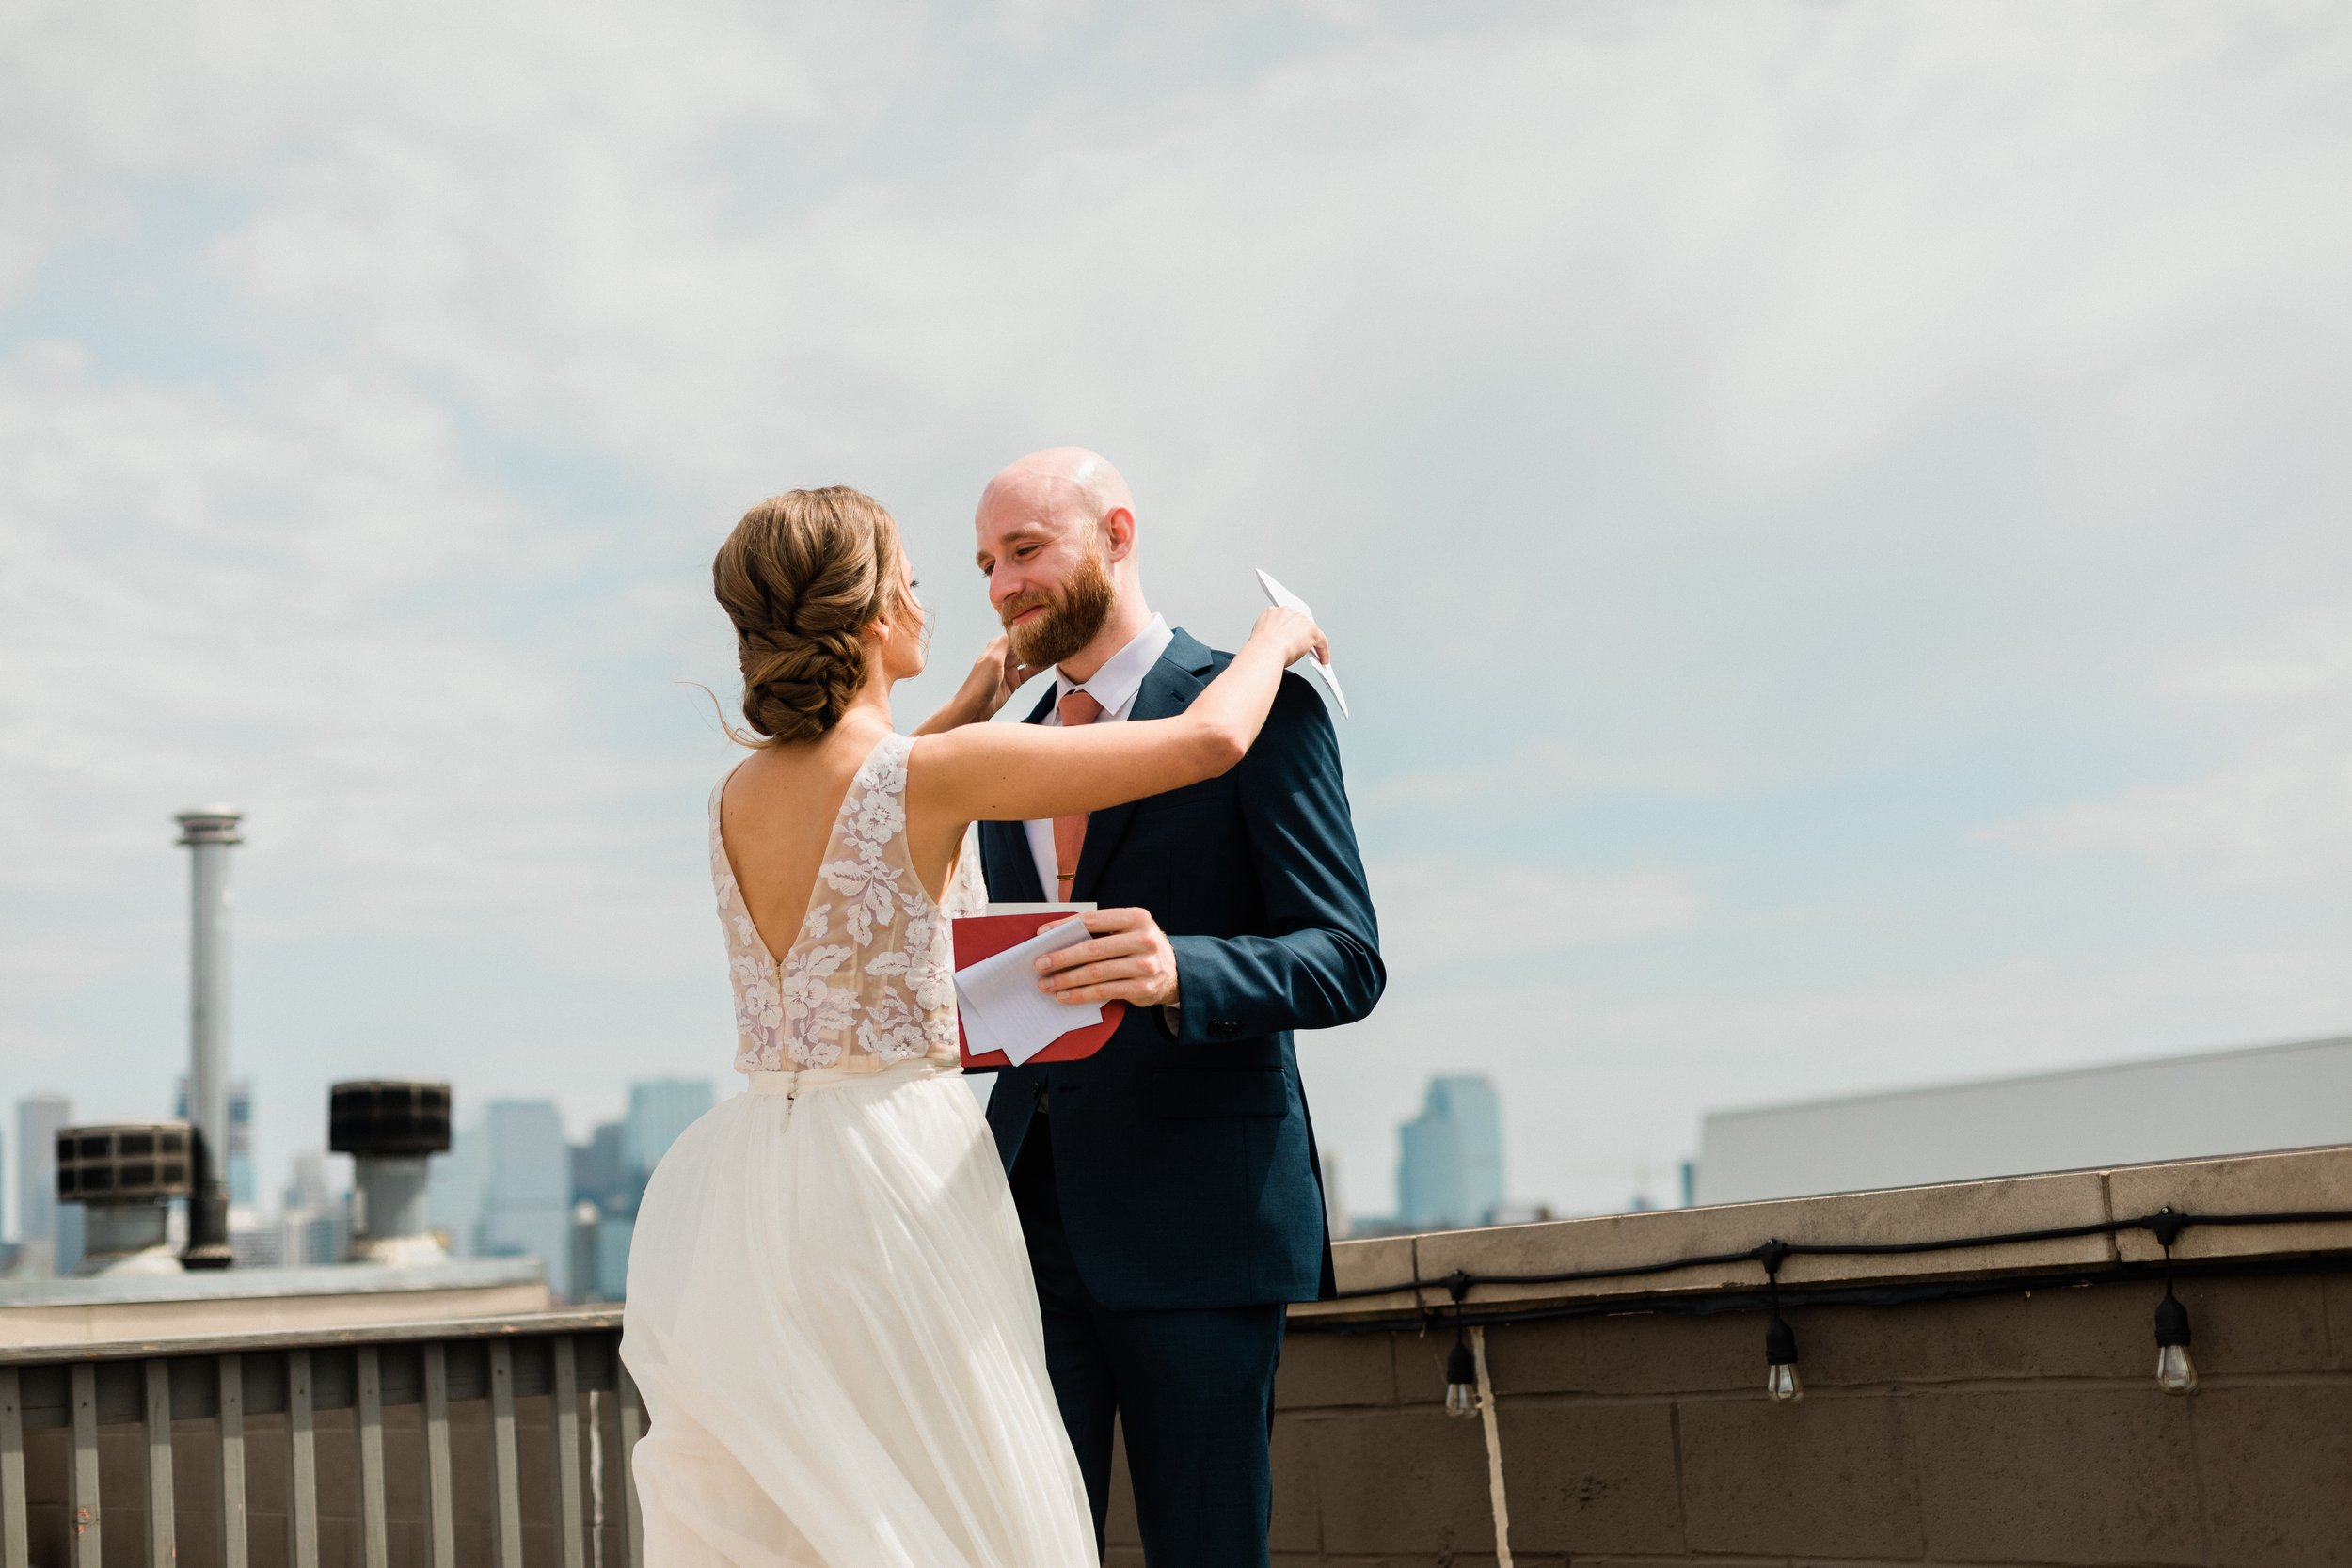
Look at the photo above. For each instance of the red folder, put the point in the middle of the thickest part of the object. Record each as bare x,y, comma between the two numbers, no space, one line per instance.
980,936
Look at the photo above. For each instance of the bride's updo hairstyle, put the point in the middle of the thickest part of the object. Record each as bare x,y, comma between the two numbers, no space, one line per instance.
800,576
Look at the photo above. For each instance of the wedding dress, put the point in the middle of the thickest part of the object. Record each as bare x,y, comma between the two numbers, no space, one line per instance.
829,1309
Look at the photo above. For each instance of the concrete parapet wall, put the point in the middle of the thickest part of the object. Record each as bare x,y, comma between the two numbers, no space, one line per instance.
2297,1180
356,1296
2019,1424
1966,1404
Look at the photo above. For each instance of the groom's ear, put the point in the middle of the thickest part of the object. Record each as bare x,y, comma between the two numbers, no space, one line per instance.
1118,533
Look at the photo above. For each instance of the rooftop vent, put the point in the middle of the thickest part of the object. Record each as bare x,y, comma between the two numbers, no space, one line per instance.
125,1175
389,1126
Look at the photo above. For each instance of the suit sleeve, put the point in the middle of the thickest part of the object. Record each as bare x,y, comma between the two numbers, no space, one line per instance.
1318,964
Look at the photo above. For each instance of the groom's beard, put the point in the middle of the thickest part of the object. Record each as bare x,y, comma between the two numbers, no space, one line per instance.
1072,616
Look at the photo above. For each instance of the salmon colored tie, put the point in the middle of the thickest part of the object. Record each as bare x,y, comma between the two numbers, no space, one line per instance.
1070,832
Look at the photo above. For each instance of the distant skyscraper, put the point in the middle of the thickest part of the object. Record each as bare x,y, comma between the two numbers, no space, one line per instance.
527,1202
613,1237
37,1118
262,1246
241,1183
309,1236
1451,1174
598,1174
66,1248
308,1190
315,1223
658,1111
457,1188
1335,1219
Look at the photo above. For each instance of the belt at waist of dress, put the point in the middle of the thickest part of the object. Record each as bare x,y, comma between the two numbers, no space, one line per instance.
807,1079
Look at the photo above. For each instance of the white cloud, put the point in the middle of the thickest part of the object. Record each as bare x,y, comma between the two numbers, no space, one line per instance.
2282,816
1444,911
276,599
1552,771
2278,816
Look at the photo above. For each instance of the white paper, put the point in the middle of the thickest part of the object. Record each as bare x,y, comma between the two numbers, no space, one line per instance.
1001,1006
1289,600
976,1031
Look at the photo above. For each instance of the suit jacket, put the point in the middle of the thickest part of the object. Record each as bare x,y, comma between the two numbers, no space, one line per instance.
1185,1163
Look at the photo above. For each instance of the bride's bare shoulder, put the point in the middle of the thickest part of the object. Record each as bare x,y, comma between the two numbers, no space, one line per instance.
793,779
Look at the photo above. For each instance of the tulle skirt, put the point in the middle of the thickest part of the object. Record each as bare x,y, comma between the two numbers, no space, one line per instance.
833,1321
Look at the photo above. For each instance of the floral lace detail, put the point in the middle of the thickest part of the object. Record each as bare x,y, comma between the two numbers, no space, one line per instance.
878,983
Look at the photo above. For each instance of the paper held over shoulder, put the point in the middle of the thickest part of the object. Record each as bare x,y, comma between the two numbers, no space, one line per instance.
1001,1006
1288,600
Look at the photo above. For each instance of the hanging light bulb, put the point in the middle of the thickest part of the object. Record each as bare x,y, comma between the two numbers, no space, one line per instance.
2175,1373
1461,1381
1461,1367
1780,1362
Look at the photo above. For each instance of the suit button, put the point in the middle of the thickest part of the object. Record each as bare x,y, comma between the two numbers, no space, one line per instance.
1224,1029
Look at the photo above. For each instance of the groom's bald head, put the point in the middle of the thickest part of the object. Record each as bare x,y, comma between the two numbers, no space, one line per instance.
1060,476
1055,535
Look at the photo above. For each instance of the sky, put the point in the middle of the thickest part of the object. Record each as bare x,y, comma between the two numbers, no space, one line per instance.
1832,517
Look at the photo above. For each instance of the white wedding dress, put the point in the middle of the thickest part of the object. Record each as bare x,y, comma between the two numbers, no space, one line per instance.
829,1309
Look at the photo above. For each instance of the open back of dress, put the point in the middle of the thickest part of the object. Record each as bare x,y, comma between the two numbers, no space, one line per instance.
869,980
829,1313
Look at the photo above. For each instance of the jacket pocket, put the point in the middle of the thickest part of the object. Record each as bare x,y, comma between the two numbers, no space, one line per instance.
1219,1092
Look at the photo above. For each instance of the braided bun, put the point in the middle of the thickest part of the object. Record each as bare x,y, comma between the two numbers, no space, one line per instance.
801,577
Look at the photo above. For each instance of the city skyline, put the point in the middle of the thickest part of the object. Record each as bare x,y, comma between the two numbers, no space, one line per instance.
23,1156
513,1183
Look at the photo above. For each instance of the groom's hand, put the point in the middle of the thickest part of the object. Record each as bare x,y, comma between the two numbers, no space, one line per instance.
1127,958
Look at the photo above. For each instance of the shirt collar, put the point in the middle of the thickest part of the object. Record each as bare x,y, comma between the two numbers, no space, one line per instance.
1115,683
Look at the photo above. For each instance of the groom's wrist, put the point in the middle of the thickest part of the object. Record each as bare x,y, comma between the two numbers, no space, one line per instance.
1195,997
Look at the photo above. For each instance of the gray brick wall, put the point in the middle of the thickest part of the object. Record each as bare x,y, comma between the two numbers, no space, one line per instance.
2022,1429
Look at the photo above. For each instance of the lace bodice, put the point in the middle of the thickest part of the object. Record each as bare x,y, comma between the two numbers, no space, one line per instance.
869,978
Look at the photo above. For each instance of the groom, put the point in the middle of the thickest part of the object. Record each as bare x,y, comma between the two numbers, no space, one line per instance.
1169,1187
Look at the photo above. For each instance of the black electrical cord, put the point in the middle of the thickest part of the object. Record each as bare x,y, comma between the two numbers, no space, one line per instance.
2166,1223
1715,1303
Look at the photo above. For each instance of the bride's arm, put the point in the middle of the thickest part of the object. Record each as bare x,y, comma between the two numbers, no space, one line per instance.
1014,772
995,676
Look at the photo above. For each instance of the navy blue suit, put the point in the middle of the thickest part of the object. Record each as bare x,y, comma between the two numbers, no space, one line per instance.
1171,1192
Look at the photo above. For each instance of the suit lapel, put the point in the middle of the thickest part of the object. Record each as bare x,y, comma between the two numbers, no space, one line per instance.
1168,689
1013,837
1005,844
1010,869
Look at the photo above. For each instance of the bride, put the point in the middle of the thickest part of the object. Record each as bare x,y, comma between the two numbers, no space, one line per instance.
830,1310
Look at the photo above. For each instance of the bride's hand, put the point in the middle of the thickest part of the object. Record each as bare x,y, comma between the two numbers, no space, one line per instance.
1011,675
996,674
1294,634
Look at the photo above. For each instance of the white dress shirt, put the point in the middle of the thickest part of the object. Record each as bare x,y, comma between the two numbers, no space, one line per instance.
1114,686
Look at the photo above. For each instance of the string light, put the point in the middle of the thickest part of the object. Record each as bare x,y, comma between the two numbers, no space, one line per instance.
1461,1379
1780,1362
1461,1367
2176,1373
1780,1341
